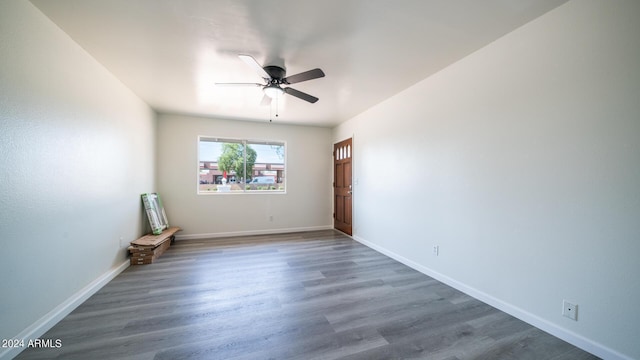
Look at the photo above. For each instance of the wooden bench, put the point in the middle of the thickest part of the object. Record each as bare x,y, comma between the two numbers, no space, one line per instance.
148,248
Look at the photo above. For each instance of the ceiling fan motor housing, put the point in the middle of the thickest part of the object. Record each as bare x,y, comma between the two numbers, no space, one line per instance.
276,72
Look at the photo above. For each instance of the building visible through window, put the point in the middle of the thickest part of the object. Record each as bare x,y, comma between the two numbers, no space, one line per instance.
240,166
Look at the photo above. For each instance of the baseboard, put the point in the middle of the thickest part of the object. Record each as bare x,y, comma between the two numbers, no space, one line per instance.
575,339
46,322
252,232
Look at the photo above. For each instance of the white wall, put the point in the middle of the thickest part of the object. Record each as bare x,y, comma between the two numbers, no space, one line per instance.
76,150
522,162
306,204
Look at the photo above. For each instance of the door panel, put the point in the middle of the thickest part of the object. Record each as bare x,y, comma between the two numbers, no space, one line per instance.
339,213
342,189
340,178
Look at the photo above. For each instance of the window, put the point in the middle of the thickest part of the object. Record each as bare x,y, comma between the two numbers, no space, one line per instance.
240,166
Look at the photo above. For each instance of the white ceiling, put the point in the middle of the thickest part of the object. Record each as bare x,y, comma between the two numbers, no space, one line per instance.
170,52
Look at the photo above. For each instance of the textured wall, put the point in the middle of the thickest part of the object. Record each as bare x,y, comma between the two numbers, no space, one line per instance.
306,204
522,162
76,150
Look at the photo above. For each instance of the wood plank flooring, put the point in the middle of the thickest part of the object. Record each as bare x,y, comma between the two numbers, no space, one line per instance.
312,295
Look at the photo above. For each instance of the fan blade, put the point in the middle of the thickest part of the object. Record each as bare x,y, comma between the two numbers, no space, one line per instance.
300,95
239,84
304,76
266,101
249,60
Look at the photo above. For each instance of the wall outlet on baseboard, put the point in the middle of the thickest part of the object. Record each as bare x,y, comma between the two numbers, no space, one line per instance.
570,310
436,250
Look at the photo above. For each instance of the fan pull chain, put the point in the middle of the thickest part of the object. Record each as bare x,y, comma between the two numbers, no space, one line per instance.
271,109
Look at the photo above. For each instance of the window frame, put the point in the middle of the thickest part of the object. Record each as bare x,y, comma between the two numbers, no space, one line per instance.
244,142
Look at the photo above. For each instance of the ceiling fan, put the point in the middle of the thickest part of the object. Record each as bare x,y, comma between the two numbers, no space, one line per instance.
274,77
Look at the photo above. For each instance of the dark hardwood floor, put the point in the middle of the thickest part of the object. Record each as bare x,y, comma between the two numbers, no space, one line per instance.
313,295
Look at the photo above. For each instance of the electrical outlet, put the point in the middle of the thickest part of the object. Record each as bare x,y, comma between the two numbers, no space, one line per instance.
570,310
436,250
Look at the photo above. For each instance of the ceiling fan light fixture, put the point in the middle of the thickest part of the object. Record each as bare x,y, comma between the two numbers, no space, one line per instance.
273,91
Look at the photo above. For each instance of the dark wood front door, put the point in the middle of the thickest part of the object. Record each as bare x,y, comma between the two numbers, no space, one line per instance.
342,187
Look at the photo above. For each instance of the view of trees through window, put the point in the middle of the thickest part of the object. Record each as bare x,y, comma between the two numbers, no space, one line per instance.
231,165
